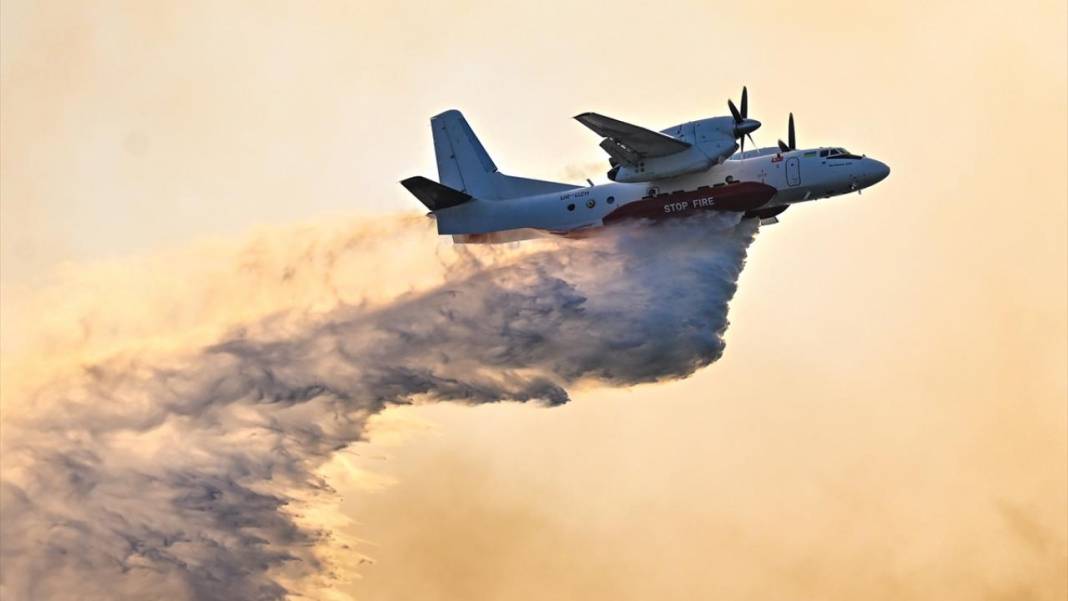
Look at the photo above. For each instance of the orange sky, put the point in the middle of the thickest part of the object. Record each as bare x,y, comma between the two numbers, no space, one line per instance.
890,415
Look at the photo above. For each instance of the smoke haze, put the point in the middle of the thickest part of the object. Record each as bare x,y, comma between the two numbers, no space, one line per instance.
189,471
889,421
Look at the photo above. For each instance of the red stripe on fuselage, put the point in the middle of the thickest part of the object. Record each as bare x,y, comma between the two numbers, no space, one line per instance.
741,196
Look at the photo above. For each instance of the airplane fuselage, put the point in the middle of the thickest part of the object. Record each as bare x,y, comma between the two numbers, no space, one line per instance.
756,181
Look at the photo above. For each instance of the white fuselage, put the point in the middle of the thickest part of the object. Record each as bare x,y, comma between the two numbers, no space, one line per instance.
796,176
806,174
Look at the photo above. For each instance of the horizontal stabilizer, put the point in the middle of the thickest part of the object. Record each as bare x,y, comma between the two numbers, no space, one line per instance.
434,195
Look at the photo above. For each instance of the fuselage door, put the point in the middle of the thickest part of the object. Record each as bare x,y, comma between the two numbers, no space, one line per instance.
793,172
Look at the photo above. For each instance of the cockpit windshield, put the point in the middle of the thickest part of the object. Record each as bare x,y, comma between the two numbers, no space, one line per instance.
841,153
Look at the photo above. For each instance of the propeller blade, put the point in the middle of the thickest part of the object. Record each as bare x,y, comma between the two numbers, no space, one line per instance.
745,103
783,147
790,134
742,150
734,111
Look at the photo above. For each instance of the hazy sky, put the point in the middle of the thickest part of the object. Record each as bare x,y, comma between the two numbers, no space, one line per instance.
889,418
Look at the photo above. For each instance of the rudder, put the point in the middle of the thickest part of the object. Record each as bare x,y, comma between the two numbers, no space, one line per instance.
463,163
465,166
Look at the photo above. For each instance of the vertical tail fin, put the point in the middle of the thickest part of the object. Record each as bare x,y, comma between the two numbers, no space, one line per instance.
463,164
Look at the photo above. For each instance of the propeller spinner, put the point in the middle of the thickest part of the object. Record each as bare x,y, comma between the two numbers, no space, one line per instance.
743,125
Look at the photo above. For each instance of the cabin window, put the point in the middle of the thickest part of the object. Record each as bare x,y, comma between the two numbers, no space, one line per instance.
652,191
730,179
571,207
610,199
591,203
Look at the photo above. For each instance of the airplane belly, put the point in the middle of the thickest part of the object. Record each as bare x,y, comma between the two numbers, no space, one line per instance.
739,197
483,217
579,211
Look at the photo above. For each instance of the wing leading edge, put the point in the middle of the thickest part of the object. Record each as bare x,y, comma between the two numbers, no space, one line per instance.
637,142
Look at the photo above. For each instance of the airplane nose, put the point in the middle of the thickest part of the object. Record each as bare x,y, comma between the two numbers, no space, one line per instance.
879,170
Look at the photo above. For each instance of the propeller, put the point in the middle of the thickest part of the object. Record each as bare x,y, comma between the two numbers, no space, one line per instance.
743,125
792,145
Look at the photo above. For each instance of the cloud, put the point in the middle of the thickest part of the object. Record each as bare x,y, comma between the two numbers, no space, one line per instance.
190,472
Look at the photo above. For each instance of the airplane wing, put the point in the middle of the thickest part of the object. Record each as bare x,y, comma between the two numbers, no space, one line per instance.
644,143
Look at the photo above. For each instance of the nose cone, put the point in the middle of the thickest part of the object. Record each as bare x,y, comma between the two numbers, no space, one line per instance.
878,171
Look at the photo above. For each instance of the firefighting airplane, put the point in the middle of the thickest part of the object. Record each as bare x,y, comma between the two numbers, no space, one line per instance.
680,171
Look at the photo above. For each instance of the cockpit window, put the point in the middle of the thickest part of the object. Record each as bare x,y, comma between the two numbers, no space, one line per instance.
823,153
842,153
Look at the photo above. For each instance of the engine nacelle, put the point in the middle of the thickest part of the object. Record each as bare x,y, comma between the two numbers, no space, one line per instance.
712,140
690,161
